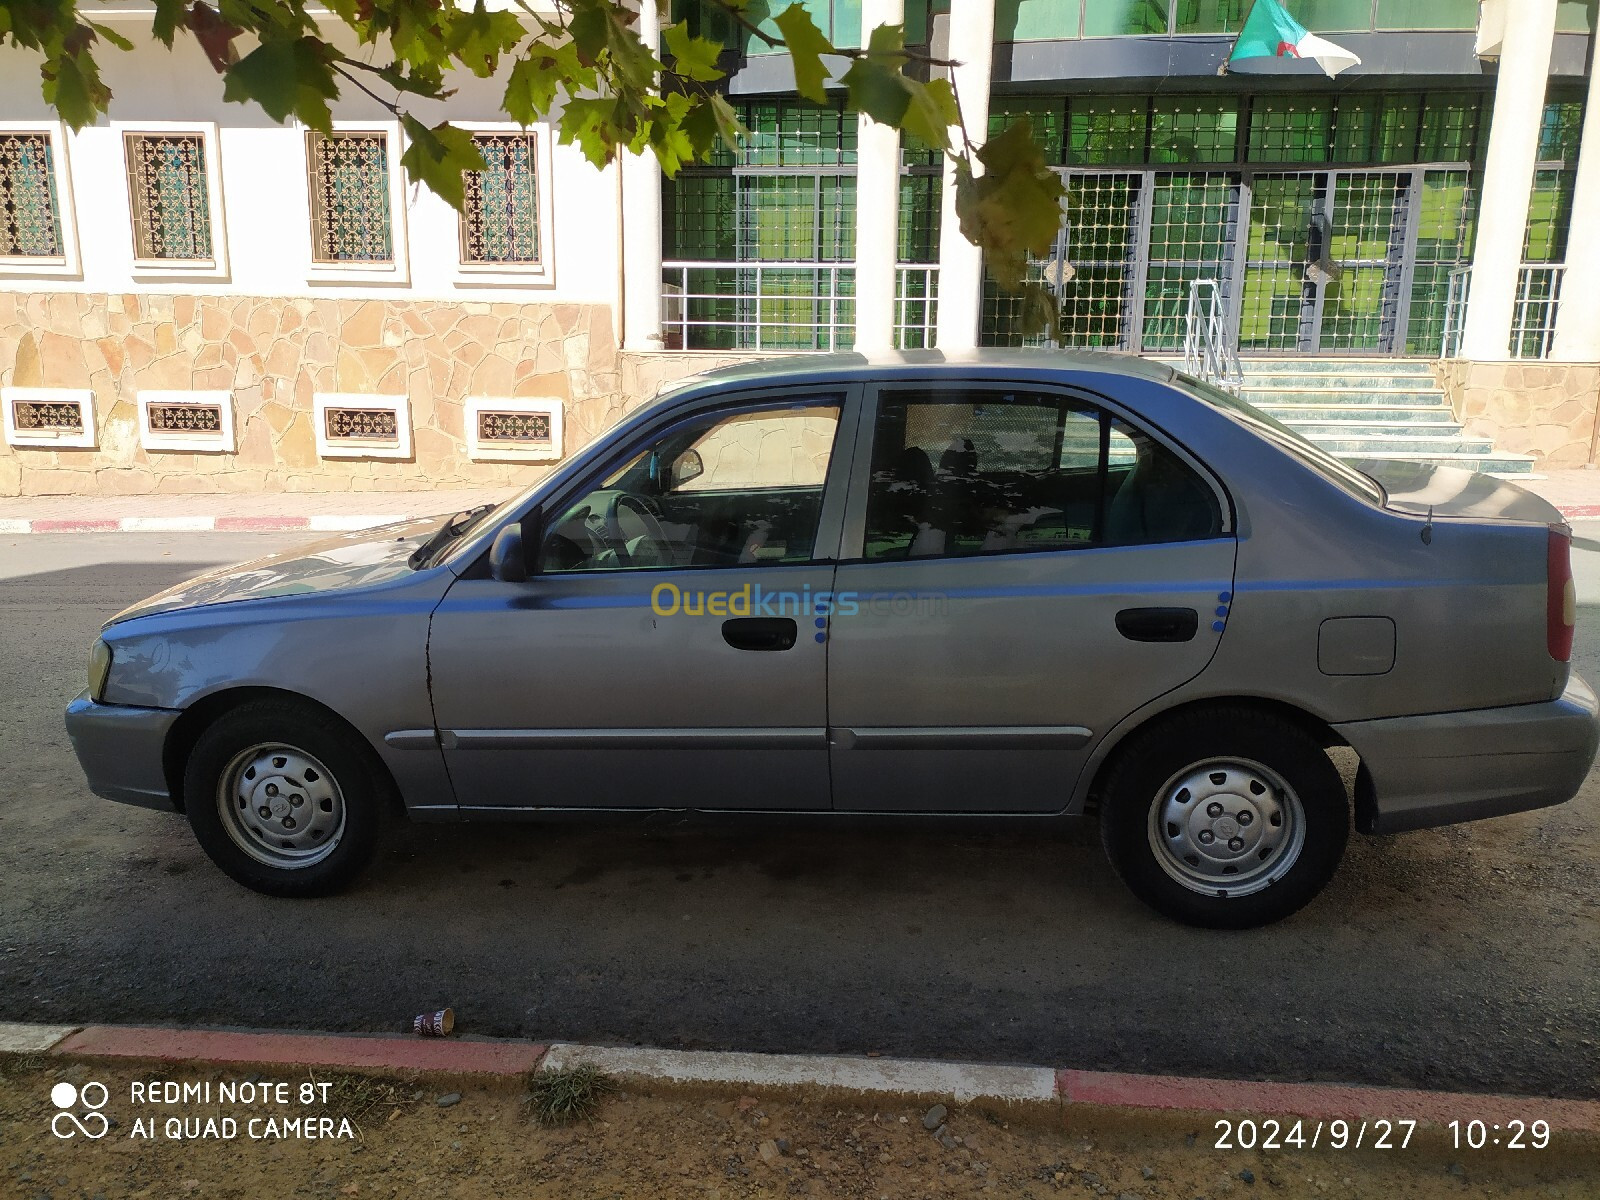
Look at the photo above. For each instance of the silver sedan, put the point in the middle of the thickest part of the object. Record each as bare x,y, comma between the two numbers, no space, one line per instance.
1016,585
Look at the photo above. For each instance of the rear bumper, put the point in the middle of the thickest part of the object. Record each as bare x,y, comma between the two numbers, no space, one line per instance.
119,748
1444,768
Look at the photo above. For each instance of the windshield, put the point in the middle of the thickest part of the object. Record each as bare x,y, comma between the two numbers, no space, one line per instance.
1334,470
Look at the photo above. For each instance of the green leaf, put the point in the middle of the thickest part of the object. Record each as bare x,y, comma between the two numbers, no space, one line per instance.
593,125
436,158
1013,209
72,85
287,79
110,35
712,118
931,112
692,57
535,79
478,38
806,47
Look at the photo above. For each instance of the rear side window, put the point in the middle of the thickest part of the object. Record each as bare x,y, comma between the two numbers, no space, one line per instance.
959,474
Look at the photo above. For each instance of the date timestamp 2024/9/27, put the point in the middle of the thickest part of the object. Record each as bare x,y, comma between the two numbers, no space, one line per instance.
1377,1134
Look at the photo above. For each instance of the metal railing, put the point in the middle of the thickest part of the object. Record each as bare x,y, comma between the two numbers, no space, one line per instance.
916,305
1208,350
758,305
1533,315
785,305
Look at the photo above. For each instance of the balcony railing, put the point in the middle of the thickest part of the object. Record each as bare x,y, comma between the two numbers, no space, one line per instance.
785,305
1533,318
1208,351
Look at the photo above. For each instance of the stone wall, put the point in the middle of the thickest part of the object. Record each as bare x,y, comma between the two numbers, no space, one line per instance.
1546,409
272,355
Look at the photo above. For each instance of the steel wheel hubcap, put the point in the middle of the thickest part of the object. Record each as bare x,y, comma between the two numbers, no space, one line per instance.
1226,827
281,806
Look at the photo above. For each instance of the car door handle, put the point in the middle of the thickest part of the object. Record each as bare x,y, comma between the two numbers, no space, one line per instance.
760,633
1158,624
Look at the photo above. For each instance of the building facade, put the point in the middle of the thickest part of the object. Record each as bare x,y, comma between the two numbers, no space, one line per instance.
193,298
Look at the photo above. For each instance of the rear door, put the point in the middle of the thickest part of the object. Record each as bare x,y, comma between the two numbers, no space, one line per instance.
1021,568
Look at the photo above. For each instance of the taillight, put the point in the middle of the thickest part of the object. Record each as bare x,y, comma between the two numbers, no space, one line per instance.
1561,597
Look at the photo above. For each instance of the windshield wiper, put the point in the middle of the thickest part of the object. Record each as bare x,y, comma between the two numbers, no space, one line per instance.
445,534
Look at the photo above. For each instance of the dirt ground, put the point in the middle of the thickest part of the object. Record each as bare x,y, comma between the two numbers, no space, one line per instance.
696,1144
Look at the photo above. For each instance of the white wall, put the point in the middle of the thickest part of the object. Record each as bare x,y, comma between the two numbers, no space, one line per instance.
264,190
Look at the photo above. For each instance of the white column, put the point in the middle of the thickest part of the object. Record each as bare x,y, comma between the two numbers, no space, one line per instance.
877,207
1578,318
960,262
1508,178
641,225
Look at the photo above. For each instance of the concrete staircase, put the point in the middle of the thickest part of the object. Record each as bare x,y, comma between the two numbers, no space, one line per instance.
1371,408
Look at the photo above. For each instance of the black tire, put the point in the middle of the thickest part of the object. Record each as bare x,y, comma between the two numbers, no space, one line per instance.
359,779
1175,748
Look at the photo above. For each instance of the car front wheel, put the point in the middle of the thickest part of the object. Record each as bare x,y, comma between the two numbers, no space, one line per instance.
282,800
1224,818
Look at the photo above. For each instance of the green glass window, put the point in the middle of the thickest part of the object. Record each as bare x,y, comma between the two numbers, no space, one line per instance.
1549,215
1450,122
699,217
1209,16
1190,129
1045,117
1376,128
1110,129
1427,14
785,133
919,218
1035,20
1126,16
1560,131
1321,16
1290,128
1575,16
1446,226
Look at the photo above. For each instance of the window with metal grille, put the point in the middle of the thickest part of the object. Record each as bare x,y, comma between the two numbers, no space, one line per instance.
30,213
351,217
500,217
169,194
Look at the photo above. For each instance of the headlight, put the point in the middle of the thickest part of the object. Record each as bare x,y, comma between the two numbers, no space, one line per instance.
99,668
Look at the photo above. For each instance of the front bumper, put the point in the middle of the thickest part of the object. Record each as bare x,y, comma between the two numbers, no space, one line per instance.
120,748
1443,768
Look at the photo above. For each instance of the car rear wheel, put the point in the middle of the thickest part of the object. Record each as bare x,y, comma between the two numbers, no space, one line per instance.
1226,818
283,800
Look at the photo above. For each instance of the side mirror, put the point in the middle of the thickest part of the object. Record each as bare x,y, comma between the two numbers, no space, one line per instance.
507,561
688,466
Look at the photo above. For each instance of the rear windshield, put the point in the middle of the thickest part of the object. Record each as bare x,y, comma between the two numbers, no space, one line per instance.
1334,470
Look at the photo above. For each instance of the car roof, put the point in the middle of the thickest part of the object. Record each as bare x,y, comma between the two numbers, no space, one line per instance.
800,368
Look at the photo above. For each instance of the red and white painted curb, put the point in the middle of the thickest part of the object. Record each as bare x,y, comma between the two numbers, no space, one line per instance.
963,1083
333,523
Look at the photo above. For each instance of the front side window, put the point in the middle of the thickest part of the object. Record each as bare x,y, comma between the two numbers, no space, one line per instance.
958,474
727,489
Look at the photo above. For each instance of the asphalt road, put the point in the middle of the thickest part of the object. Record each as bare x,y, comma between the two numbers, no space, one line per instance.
1462,958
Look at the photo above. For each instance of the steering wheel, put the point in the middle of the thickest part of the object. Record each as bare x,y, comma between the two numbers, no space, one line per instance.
633,528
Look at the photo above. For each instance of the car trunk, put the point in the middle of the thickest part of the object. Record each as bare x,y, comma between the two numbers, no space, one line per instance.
1421,489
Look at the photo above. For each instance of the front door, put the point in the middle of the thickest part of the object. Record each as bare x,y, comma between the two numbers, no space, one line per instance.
1023,569
1323,267
664,653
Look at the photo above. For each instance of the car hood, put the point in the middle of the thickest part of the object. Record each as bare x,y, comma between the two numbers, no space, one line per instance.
1422,488
346,560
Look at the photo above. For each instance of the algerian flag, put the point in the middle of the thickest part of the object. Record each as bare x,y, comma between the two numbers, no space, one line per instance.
1270,32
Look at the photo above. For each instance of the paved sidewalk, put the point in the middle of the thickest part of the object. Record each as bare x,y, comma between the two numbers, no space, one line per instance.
1575,492
961,1082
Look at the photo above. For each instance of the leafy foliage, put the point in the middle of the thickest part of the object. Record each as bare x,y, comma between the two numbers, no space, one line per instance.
582,63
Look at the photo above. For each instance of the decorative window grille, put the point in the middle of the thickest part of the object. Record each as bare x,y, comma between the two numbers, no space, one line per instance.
514,430
186,421
30,211
500,219
351,216
53,418
170,196
357,426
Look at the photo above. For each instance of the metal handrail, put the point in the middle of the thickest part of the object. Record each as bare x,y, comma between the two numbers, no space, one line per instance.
1208,350
1455,311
